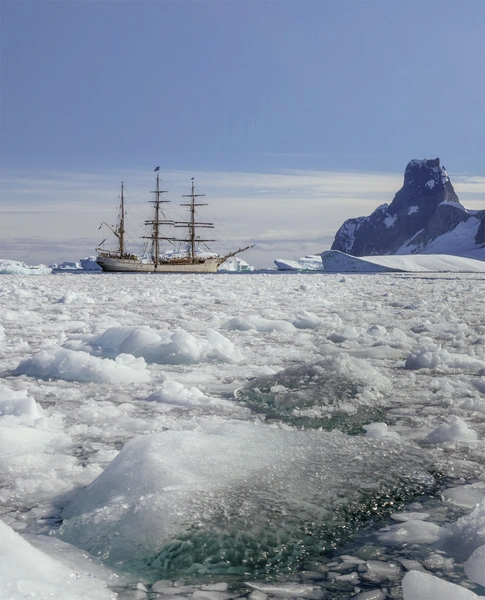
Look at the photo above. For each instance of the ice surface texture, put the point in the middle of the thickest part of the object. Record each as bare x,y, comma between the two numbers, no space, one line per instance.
26,572
336,392
237,498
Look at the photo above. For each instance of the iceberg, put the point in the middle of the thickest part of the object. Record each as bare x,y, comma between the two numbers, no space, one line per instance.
237,498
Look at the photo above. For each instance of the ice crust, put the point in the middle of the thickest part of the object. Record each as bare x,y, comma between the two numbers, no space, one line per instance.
213,501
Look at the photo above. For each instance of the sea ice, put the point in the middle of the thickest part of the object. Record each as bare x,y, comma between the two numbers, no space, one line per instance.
62,424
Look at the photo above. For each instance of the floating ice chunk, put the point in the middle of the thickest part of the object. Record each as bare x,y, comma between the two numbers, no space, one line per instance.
14,267
254,322
138,338
432,356
439,561
109,343
165,347
475,566
289,590
466,534
18,403
445,330
371,595
413,532
465,496
18,440
346,333
236,264
172,392
309,262
75,559
73,298
34,464
210,595
423,586
380,430
59,363
409,516
26,572
88,263
411,565
457,430
473,404
221,348
378,570
193,502
307,320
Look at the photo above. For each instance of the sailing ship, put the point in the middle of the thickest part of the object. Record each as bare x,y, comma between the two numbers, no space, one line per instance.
190,261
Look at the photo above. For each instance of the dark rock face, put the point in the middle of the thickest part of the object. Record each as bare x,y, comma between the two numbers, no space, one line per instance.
425,208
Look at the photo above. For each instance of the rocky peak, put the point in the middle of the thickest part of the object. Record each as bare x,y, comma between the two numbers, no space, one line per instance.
414,210
426,185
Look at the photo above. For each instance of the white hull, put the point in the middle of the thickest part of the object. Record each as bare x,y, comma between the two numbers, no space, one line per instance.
114,264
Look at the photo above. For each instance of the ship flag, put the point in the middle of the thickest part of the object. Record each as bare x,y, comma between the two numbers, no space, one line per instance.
157,169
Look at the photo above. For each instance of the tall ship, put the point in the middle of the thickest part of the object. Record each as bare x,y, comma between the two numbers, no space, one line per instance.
159,230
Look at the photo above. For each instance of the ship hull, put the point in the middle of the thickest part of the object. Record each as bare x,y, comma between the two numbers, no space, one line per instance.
112,264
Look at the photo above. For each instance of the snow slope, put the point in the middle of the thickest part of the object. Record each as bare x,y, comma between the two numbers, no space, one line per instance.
333,261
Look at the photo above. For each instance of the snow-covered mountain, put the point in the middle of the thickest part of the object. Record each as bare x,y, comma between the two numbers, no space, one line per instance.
425,217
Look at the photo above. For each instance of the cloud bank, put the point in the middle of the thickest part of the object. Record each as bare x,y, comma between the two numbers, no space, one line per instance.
55,217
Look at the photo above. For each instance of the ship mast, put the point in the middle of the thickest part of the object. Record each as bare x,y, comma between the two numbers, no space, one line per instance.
192,224
119,232
121,228
156,222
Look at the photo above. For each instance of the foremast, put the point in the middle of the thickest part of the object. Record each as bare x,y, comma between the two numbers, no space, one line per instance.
119,232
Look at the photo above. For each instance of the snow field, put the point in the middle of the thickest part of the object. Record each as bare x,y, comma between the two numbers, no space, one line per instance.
90,362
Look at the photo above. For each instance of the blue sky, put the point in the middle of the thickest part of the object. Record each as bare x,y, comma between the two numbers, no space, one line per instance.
292,115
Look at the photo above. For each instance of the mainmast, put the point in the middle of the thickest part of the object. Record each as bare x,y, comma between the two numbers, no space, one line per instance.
156,222
121,228
192,224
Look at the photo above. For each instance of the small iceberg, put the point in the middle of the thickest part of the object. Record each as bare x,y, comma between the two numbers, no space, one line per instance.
14,267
